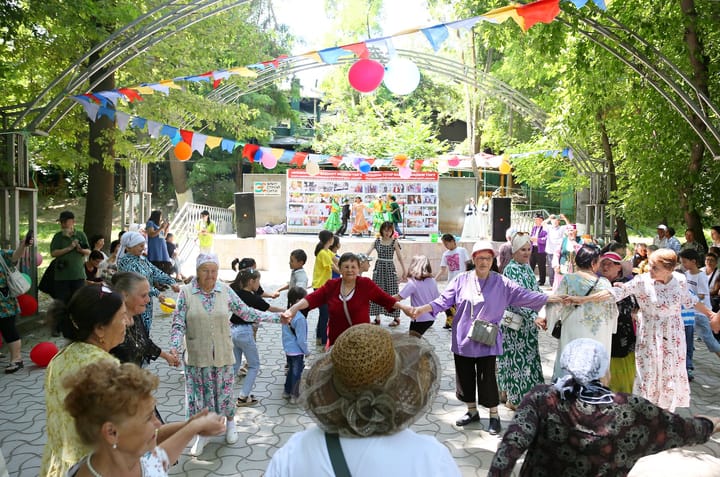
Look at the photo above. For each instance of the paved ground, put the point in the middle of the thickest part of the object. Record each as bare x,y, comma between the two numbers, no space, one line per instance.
269,425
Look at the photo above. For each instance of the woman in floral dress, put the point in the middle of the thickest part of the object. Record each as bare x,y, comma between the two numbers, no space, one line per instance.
519,368
385,275
201,318
660,348
131,259
597,321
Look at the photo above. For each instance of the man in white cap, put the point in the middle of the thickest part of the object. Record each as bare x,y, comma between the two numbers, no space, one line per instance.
660,240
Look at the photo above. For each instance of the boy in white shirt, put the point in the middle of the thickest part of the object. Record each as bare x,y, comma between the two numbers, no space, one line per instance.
453,262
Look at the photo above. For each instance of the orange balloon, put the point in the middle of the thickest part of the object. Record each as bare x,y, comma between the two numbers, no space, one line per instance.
505,168
183,151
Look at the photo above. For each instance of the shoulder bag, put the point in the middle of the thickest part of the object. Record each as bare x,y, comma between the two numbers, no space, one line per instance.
557,329
482,331
337,457
512,320
16,283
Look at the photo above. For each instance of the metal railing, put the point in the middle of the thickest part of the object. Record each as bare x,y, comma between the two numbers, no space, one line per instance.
184,229
523,220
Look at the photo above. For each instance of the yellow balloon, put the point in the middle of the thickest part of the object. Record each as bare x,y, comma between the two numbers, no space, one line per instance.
505,168
312,168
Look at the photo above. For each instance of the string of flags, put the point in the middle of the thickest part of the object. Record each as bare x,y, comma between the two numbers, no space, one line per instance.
400,76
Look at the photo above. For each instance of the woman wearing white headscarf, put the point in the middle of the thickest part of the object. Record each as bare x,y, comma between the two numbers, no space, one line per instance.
131,259
201,320
579,427
519,367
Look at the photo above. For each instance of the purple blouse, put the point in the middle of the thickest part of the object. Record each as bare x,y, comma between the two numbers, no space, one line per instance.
498,292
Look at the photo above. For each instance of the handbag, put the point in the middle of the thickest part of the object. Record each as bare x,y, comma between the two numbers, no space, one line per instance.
47,282
512,320
483,332
557,329
16,283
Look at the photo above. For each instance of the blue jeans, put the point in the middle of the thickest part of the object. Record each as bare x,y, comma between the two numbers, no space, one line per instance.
321,330
689,346
705,333
296,364
243,342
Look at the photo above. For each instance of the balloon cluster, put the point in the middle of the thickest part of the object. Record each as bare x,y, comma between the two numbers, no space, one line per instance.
401,76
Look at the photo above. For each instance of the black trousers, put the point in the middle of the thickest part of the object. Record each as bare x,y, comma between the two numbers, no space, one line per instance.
539,259
480,372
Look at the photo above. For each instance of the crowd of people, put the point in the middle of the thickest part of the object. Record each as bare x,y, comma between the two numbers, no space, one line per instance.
623,349
383,209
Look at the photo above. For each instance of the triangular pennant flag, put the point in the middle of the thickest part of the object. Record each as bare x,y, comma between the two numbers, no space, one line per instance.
112,96
144,90
154,129
360,49
542,11
160,87
213,141
122,120
579,3
110,113
91,109
466,24
130,94
335,160
313,55
287,156
198,143
436,35
390,47
138,123
332,55
249,151
176,138
299,158
243,71
227,145
499,15
186,135
601,4
277,152
168,131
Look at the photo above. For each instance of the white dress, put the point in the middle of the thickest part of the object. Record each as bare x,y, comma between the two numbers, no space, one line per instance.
661,377
154,464
470,226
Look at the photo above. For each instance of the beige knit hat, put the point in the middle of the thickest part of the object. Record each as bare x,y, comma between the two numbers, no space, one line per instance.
372,382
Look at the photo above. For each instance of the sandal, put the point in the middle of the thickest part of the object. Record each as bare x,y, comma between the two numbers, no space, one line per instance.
246,401
14,367
395,323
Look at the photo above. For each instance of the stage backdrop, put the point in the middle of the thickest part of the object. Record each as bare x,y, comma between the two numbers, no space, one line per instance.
308,197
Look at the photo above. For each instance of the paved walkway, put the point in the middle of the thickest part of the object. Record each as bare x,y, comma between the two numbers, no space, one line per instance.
267,426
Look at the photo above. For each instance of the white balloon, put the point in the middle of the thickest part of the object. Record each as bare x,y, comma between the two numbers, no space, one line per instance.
402,76
442,167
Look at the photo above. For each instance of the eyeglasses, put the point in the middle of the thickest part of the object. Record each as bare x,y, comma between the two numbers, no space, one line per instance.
483,259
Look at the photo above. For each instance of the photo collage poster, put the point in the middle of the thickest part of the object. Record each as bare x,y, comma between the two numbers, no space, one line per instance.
309,198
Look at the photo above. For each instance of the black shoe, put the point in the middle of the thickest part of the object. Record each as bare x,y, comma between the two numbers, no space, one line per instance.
494,427
14,367
447,327
468,418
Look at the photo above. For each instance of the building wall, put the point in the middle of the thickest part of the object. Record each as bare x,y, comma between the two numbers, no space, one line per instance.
454,193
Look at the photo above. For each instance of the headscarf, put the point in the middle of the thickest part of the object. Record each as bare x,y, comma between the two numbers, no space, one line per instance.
584,361
129,240
204,258
519,241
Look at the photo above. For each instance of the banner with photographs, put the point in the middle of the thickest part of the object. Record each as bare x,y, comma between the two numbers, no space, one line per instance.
310,198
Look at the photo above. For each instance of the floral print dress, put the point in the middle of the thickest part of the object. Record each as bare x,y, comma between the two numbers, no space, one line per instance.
519,367
660,348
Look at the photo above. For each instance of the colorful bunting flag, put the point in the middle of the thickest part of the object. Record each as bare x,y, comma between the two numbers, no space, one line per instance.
543,11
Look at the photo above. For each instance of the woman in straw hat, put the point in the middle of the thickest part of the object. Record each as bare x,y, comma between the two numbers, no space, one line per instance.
580,427
480,294
363,395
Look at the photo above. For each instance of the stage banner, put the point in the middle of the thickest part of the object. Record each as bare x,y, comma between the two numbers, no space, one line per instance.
309,198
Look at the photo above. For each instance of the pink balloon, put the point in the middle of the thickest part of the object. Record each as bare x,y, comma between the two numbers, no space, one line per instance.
405,173
453,161
366,75
269,160
38,258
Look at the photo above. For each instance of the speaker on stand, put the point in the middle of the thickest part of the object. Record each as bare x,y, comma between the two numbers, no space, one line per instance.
245,214
500,214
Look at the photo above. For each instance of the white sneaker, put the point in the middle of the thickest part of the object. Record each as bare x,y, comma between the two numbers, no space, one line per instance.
231,436
198,446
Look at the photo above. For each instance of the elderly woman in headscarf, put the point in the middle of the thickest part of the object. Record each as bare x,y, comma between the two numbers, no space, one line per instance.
131,259
363,395
201,320
579,426
519,367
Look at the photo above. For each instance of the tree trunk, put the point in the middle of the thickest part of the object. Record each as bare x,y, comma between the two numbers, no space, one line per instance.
699,63
620,232
100,200
178,171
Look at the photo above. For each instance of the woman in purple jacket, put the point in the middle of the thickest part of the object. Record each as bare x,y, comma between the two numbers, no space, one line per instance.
480,294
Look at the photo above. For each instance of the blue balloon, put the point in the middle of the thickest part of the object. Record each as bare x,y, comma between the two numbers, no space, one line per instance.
364,167
258,155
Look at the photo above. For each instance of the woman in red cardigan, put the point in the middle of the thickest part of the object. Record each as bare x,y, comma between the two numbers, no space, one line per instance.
348,298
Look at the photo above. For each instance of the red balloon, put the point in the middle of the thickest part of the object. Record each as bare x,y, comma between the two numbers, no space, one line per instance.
28,305
366,75
183,151
43,352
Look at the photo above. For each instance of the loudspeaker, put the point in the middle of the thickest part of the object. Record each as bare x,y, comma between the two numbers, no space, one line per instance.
245,214
500,218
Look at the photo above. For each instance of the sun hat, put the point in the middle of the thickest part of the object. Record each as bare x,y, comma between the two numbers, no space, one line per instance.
483,246
204,258
519,241
372,382
612,256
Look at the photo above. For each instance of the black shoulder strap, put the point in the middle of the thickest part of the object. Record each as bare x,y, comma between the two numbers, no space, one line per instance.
337,458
